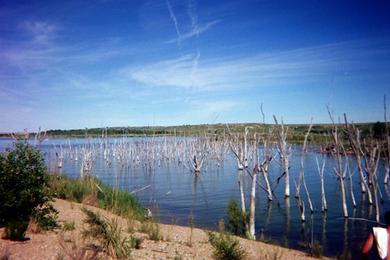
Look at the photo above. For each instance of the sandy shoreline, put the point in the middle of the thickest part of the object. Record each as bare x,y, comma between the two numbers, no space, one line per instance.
177,241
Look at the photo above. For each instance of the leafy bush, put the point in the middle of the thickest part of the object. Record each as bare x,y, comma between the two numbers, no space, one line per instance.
23,188
225,247
46,217
236,219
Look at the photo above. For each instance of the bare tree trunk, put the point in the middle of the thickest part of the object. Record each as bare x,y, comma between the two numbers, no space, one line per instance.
266,156
345,208
351,183
251,234
302,171
387,159
245,152
301,205
354,140
284,154
242,195
287,177
371,167
264,169
339,170
324,206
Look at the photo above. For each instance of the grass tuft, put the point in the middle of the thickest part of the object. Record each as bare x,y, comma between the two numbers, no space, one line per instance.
108,234
152,229
69,226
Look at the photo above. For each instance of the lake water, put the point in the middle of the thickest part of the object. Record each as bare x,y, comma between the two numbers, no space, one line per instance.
175,192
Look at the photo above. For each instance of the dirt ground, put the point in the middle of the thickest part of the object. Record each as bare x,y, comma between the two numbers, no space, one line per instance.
177,242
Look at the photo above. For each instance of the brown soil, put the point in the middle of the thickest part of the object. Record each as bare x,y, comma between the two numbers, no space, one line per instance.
176,243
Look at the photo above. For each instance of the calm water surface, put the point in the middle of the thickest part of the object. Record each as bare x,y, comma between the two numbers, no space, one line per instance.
175,193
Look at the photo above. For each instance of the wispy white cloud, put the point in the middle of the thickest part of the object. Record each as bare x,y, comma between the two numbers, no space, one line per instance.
41,32
212,107
304,65
195,64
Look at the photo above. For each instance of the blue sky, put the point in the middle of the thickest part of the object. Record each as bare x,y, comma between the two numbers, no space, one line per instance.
77,64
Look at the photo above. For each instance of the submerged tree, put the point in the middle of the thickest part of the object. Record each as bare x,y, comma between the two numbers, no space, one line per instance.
302,180
284,152
353,134
339,168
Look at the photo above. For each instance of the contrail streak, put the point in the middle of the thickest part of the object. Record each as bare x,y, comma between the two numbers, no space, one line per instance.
173,17
192,13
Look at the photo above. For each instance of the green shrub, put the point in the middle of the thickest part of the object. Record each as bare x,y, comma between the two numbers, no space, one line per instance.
225,246
23,188
46,217
16,229
236,219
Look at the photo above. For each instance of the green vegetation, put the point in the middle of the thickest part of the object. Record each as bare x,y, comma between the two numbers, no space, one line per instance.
24,191
225,246
152,229
94,192
136,242
108,234
46,217
69,226
236,219
320,133
315,249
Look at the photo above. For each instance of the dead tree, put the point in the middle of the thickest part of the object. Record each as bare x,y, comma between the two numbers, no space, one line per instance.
251,234
387,157
237,150
353,134
350,175
284,151
40,136
371,165
198,153
339,168
245,149
302,171
256,169
241,188
86,163
267,158
321,169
